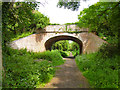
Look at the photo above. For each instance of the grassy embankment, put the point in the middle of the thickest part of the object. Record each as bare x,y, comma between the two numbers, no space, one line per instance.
101,68
24,69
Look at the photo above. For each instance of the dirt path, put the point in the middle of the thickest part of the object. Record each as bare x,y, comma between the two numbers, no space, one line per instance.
68,76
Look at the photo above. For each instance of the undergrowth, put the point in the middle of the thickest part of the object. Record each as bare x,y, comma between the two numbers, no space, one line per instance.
64,53
75,53
24,69
101,68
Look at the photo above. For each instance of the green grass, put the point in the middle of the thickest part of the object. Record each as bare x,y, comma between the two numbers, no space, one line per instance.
23,69
100,68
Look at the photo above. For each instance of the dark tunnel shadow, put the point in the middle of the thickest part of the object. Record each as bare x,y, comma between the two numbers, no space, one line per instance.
71,57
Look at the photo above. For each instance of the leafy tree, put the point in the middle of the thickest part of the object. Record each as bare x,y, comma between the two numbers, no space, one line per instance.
39,21
18,17
61,45
73,4
102,17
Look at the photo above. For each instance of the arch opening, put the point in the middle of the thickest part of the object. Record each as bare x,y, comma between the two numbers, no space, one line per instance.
52,40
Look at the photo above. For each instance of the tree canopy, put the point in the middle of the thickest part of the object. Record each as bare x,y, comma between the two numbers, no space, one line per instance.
19,17
69,4
102,17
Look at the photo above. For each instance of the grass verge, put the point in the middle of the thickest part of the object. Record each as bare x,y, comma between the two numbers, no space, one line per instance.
24,69
101,68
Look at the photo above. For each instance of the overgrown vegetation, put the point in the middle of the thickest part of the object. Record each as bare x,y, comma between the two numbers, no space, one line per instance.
101,68
53,24
19,18
74,48
103,18
28,69
65,47
24,69
64,53
71,23
21,35
61,45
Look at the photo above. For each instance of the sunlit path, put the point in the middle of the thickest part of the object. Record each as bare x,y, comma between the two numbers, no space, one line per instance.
68,76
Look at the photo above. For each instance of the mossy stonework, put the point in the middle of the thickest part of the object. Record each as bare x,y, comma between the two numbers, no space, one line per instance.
43,39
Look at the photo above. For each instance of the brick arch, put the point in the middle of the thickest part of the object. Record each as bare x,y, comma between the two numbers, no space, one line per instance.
52,40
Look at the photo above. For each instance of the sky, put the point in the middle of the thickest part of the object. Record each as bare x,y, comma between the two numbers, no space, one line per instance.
61,15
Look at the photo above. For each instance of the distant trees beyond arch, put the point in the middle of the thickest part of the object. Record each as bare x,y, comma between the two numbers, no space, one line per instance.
52,40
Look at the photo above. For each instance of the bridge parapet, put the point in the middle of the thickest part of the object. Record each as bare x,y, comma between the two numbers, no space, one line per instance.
62,28
37,42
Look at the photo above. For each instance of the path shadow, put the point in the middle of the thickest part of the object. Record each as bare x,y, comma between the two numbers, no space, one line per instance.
72,57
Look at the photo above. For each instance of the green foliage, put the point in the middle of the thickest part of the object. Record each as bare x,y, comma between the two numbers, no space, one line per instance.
74,5
53,56
64,47
64,53
101,68
21,35
75,53
39,21
70,23
20,17
53,24
24,69
74,47
101,17
61,45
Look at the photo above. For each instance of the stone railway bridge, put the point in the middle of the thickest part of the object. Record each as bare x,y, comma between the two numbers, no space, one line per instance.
43,39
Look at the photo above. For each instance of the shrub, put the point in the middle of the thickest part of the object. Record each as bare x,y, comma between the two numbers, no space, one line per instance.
21,69
75,53
53,56
100,68
64,53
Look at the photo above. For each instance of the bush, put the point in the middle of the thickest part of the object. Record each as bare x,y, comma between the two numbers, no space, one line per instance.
75,53
64,53
54,56
100,68
22,70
